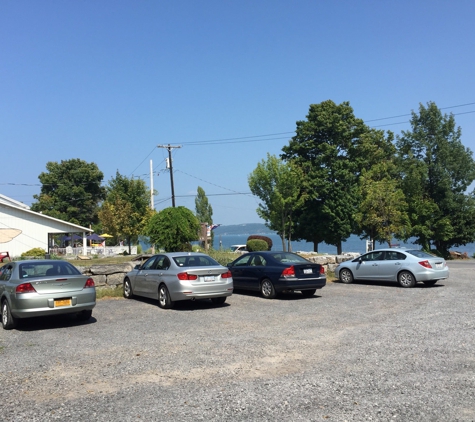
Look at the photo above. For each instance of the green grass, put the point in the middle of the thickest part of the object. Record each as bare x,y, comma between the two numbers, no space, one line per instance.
108,293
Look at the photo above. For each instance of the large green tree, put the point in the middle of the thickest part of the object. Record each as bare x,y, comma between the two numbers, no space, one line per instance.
126,210
382,209
325,148
71,191
277,185
173,229
436,171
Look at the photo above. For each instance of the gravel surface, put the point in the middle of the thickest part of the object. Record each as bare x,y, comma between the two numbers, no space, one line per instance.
358,352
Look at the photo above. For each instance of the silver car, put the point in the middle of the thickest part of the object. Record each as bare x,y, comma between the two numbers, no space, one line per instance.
47,287
175,276
406,266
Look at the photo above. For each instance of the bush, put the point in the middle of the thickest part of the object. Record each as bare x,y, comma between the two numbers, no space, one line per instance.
34,253
255,245
266,239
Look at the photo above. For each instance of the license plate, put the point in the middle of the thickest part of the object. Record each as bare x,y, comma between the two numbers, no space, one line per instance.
62,302
439,265
209,278
307,271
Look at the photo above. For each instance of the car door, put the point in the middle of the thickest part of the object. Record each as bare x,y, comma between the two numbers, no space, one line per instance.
155,275
368,267
391,265
140,283
238,270
254,272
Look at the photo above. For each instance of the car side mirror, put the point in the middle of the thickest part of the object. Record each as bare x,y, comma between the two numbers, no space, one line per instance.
137,267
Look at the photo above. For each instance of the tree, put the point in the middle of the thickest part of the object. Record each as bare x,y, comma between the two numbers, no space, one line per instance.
325,148
70,191
173,229
277,185
382,210
204,212
125,211
436,171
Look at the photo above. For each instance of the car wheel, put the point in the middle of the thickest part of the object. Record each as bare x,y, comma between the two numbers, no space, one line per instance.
267,289
430,282
406,279
346,276
218,300
128,292
8,320
85,315
308,293
164,300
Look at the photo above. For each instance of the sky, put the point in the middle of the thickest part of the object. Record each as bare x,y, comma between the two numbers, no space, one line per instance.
225,81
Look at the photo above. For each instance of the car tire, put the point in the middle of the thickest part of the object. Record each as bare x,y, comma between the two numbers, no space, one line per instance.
164,299
85,315
267,289
8,320
430,282
128,292
308,293
406,279
218,300
346,276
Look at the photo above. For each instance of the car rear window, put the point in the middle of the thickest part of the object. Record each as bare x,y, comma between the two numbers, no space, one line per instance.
289,258
194,261
44,269
420,254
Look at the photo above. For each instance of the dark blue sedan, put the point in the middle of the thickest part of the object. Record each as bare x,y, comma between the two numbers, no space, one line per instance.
273,272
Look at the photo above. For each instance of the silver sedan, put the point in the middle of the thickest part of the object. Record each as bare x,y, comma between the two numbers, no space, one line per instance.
39,288
406,266
175,276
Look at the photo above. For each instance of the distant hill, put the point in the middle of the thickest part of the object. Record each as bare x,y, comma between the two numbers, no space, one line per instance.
251,228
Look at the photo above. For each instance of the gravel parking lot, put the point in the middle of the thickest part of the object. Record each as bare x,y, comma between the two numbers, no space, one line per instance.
358,352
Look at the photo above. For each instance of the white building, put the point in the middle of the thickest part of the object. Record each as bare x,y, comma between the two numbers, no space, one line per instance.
22,229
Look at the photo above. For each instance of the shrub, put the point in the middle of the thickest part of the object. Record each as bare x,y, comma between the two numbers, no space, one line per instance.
254,245
34,253
266,239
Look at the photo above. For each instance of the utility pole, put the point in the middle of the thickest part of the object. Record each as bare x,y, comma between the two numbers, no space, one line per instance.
169,148
151,186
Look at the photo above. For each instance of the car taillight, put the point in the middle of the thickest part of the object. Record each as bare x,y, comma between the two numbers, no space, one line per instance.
25,288
425,264
89,283
289,272
322,269
186,276
226,275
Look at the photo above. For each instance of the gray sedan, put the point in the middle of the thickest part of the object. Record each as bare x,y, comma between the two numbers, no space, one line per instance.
171,277
406,266
39,288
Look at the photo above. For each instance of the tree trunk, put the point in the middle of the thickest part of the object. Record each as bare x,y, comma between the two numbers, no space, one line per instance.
339,249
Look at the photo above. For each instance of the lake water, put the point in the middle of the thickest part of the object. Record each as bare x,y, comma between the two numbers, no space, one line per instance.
353,244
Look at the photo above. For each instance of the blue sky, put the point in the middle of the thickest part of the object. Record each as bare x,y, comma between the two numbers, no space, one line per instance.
108,81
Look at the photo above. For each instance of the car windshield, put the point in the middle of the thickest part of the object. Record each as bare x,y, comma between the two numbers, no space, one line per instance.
420,254
45,269
289,258
194,261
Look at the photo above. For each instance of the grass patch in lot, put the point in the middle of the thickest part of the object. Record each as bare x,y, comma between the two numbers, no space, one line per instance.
107,293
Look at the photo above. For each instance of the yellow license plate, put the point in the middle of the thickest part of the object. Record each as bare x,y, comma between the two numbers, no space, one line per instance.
62,302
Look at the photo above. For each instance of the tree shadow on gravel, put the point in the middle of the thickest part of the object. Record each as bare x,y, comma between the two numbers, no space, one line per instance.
280,296
52,322
184,305
393,284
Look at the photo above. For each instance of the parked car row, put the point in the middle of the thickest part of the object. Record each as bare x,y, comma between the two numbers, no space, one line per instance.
52,287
